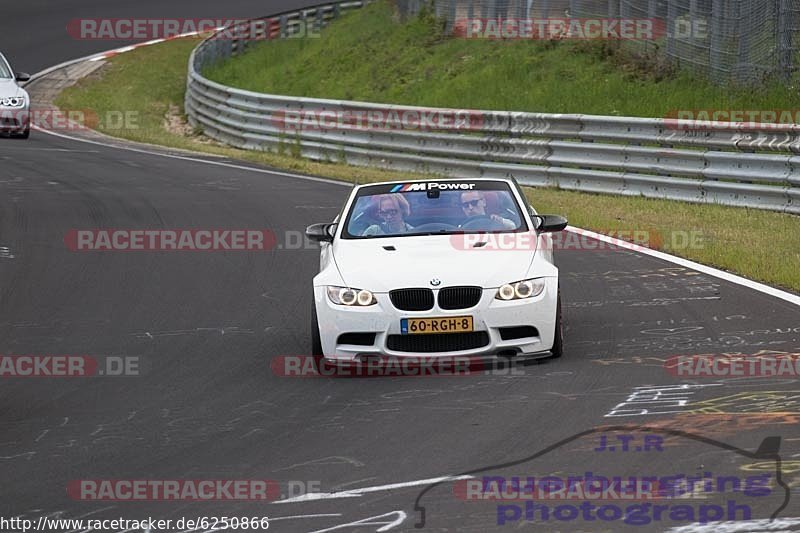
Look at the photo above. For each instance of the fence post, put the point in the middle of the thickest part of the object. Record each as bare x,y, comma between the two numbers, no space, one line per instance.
451,16
669,27
545,9
502,8
613,9
744,17
715,66
784,38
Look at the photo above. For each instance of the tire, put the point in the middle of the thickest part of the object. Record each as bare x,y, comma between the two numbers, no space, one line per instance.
316,341
558,342
24,134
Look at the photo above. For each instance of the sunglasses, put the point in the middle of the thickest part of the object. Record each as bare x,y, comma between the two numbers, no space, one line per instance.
470,203
388,213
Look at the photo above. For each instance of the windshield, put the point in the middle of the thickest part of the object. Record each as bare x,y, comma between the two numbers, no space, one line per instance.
5,71
426,208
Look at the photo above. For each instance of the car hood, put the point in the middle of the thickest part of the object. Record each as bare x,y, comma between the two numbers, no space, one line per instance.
9,88
415,261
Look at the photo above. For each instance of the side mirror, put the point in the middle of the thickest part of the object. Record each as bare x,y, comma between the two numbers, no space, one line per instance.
23,76
321,232
551,223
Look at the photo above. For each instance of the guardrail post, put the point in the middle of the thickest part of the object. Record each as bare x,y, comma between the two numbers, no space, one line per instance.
319,20
284,29
262,31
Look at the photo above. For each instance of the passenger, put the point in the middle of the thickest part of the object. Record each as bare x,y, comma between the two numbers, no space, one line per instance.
393,210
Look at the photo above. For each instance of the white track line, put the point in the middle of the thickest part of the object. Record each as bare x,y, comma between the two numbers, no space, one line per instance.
744,526
727,276
355,493
197,160
104,55
294,517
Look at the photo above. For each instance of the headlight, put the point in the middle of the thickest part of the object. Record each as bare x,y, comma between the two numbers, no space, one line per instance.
14,101
351,297
519,290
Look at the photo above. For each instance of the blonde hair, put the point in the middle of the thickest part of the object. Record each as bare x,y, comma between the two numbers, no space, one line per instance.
397,199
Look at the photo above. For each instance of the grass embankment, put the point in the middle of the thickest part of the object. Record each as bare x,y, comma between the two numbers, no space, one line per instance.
369,56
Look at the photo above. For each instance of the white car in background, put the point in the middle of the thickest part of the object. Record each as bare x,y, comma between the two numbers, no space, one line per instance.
14,102
454,267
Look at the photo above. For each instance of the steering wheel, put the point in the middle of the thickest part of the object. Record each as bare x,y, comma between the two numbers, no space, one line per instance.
481,222
433,226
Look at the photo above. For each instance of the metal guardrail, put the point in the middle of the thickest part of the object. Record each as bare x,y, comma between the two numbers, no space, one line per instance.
725,164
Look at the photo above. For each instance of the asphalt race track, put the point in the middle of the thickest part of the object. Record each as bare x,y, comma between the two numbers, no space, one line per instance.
205,327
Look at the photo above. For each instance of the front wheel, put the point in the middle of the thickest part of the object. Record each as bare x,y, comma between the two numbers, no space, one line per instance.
24,134
316,341
558,342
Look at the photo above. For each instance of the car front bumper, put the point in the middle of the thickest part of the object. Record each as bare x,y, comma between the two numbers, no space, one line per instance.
494,322
14,119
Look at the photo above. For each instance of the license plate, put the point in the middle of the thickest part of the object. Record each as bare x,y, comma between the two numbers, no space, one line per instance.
448,324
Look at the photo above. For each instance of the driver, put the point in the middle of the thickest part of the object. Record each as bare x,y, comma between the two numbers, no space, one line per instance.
393,210
473,203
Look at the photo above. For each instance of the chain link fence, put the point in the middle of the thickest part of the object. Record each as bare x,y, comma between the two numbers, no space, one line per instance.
728,41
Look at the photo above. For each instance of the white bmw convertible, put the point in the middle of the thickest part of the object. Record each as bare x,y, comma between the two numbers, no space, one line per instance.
14,102
455,267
